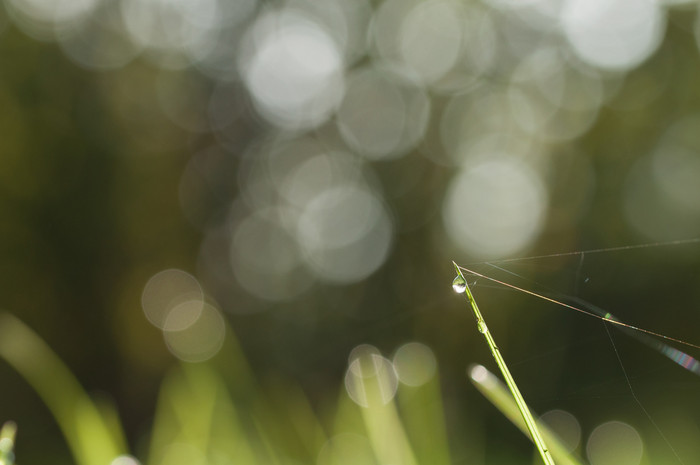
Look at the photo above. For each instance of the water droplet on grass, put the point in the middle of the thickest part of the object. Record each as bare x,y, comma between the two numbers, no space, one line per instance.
459,285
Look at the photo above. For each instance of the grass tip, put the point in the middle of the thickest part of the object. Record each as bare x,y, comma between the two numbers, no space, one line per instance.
478,373
8,431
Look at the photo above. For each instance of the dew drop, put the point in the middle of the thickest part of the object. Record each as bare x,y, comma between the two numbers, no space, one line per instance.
459,284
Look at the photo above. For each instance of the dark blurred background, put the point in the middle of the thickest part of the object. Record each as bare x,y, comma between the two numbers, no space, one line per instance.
310,168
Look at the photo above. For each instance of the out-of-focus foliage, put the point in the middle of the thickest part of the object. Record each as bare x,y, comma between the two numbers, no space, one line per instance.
301,172
216,412
7,443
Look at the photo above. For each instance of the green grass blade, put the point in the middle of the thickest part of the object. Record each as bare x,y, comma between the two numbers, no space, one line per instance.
384,429
500,361
295,411
7,443
195,414
424,420
92,439
492,388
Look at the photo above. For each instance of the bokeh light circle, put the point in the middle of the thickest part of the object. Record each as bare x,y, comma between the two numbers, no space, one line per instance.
660,193
183,315
675,165
495,207
614,443
381,118
125,460
217,53
479,374
100,42
431,38
346,233
319,171
566,426
293,69
201,340
167,290
613,34
415,364
550,99
370,379
266,259
49,19
171,31
480,124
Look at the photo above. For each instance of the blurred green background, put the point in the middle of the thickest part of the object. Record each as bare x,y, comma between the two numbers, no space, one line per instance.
298,175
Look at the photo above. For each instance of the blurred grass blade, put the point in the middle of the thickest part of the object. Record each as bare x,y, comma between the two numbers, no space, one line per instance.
194,409
492,388
259,411
381,419
7,443
346,417
386,434
219,410
293,409
423,417
92,439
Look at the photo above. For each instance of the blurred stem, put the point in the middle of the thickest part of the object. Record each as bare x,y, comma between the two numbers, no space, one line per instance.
7,443
522,406
495,391
423,416
92,439
381,420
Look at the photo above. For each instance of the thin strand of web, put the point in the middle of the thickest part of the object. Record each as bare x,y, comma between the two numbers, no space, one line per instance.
636,399
578,272
677,356
580,310
605,320
590,251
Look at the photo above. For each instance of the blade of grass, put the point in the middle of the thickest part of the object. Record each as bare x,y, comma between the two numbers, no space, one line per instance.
424,420
304,427
92,439
252,399
384,429
522,406
345,417
387,436
7,443
492,388
194,409
348,442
